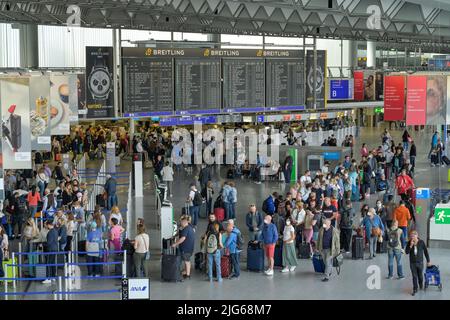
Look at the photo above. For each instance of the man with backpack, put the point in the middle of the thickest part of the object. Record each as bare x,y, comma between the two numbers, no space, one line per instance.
213,246
268,206
195,201
394,247
233,246
20,210
346,225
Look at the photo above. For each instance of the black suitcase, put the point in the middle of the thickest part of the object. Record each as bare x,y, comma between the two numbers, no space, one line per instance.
446,160
382,246
170,267
357,247
81,248
304,251
278,255
200,261
100,201
230,174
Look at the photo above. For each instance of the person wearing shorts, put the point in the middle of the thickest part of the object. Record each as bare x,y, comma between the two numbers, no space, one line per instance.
269,237
186,243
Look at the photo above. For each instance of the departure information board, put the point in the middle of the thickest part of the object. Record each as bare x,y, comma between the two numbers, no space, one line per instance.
148,85
243,83
197,85
285,82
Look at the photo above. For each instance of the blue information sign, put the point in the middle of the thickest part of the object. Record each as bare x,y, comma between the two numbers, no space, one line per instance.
341,89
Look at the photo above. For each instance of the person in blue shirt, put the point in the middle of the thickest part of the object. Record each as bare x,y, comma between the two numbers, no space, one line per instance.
269,204
231,245
269,237
110,188
186,243
371,221
94,245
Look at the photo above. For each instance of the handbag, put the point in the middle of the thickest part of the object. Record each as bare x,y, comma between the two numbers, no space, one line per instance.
93,247
337,262
147,252
375,231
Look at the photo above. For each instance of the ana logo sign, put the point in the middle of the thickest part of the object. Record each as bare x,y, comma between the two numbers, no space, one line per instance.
138,288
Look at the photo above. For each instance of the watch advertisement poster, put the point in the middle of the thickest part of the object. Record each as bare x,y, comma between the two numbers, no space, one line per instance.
319,86
40,113
15,115
81,90
60,112
99,82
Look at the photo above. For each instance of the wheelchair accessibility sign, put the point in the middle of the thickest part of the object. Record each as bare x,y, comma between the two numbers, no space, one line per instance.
422,193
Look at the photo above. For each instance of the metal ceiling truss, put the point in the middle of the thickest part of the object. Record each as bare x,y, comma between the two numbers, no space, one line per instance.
377,20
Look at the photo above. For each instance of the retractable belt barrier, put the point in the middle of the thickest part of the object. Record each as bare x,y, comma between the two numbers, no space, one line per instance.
68,275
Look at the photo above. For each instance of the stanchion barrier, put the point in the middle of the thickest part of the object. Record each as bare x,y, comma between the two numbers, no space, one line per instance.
20,259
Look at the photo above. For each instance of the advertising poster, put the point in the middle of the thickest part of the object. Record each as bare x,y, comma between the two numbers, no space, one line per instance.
99,82
321,74
40,113
73,99
436,99
15,115
379,87
358,85
81,90
59,104
394,98
369,85
416,100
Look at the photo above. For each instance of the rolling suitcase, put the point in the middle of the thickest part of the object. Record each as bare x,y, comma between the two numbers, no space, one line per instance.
170,263
255,257
278,255
318,263
99,200
433,277
220,214
446,160
357,247
304,251
225,266
8,270
199,261
382,246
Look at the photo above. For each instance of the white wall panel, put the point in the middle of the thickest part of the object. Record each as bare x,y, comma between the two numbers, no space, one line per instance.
63,47
9,46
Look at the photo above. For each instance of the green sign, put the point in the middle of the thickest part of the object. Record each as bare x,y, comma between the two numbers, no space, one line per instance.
442,215
379,110
419,210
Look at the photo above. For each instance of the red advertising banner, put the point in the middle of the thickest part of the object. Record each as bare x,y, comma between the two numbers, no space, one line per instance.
416,101
358,85
394,98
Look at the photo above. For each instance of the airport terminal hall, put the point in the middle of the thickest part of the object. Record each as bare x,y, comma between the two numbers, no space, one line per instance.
224,157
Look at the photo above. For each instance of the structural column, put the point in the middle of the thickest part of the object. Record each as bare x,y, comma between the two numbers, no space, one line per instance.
215,37
371,54
29,49
352,53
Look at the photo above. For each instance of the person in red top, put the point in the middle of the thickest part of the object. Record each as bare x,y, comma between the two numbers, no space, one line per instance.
404,185
33,198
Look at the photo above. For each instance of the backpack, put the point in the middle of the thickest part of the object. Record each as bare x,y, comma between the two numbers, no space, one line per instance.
38,158
22,204
393,239
198,200
240,241
382,186
212,243
265,206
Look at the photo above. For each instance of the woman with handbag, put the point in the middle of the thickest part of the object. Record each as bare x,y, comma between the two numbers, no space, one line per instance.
374,230
141,253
